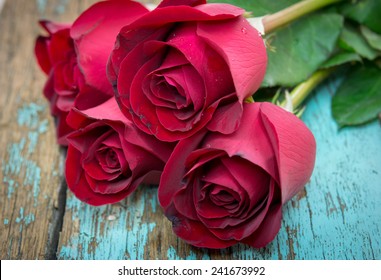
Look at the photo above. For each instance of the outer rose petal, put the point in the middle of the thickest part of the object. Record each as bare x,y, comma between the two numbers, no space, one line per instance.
41,52
243,49
295,148
170,181
95,32
62,130
174,14
268,229
250,138
53,27
165,3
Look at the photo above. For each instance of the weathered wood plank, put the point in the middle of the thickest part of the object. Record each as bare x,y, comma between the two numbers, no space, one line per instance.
31,167
1,4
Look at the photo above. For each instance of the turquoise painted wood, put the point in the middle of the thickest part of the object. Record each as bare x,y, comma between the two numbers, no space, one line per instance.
337,216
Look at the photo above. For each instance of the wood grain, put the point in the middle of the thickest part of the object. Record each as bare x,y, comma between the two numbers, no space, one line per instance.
31,165
336,216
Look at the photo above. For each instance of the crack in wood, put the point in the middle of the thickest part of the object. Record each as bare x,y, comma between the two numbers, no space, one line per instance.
58,214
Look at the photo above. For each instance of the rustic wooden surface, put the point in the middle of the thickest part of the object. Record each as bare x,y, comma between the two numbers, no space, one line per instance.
336,216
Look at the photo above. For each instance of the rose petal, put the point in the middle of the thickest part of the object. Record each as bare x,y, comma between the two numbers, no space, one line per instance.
60,45
253,179
294,146
174,170
165,3
182,13
95,32
78,184
53,27
108,110
243,49
194,232
247,141
42,55
268,229
110,187
208,63
227,118
221,178
160,150
248,226
62,129
128,46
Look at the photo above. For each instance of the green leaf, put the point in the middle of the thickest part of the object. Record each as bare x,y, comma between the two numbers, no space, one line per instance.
366,12
352,40
373,38
259,7
341,58
299,49
358,99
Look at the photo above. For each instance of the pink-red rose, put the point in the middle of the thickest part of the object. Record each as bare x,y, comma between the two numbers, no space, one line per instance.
187,65
75,56
222,189
108,157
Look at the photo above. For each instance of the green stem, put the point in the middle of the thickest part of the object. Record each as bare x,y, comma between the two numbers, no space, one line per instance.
273,21
301,92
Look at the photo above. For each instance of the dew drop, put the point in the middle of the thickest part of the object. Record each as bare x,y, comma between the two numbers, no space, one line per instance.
244,30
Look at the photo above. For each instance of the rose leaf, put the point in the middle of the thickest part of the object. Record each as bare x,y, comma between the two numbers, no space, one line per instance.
352,40
341,58
373,38
299,49
358,99
366,12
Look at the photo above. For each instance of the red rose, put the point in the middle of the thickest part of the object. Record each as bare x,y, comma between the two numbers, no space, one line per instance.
187,65
222,189
108,157
75,58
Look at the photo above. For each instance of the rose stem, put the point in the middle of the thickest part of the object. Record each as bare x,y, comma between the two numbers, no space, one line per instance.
301,91
273,21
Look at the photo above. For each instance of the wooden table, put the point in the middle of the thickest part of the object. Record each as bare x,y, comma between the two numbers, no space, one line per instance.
336,216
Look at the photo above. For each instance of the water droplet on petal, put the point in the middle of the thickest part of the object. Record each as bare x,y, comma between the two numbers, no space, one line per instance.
244,30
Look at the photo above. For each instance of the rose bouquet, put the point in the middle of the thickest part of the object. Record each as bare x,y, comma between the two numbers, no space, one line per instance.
164,97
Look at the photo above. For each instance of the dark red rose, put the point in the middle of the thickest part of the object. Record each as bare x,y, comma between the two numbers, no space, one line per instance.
222,189
187,65
108,157
75,57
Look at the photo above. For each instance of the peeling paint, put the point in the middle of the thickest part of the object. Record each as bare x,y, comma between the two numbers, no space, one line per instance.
11,186
98,237
41,5
172,254
6,221
26,220
153,202
28,115
12,169
18,164
61,7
